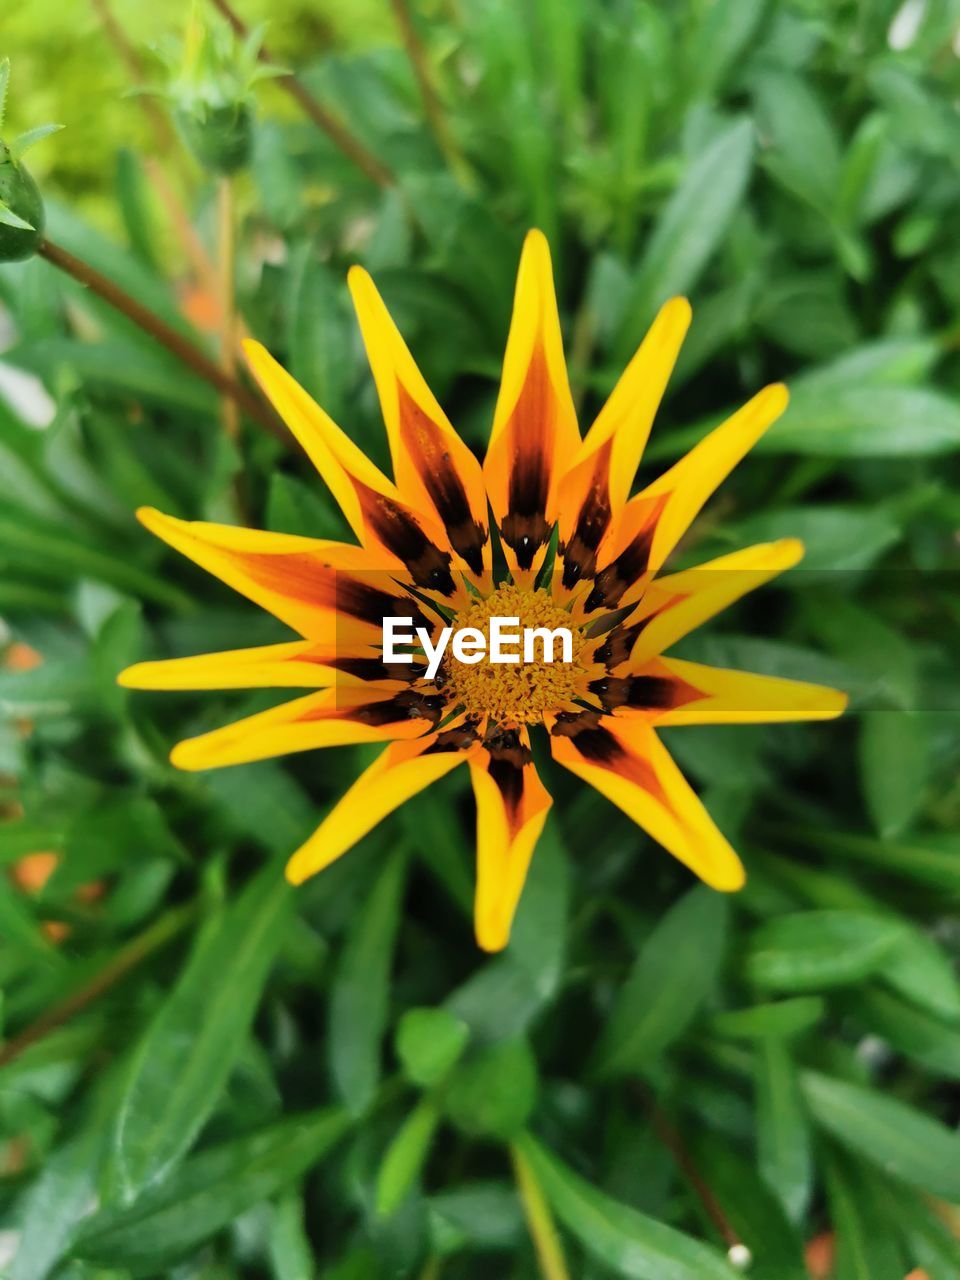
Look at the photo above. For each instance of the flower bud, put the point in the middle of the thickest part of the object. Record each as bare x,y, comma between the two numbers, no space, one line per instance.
21,209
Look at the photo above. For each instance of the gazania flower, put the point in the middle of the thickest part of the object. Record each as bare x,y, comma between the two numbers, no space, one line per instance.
545,531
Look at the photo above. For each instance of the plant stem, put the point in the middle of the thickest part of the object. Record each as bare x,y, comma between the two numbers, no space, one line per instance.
432,107
337,132
226,248
675,1144
540,1222
165,334
126,959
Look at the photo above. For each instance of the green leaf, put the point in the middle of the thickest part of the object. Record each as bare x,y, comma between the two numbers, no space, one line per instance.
182,1063
428,1043
690,229
784,1154
405,1157
866,422
361,989
20,146
917,1034
291,1257
206,1193
318,337
835,539
816,950
920,969
893,768
619,1237
800,146
778,1019
493,1092
484,1215
866,1244
675,971
903,1142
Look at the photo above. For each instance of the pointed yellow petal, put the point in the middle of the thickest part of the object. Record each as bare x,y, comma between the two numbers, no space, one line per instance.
512,806
677,604
740,697
400,772
434,469
626,762
535,425
330,718
300,664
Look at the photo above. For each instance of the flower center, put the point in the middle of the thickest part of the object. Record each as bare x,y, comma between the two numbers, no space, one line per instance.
515,692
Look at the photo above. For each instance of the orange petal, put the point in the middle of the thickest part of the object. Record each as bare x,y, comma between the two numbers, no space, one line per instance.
330,718
404,769
512,806
595,487
382,521
626,762
328,591
535,425
434,469
653,522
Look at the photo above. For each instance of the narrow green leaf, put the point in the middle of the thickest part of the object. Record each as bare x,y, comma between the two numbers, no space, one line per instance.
617,1236
361,989
405,1157
182,1063
816,950
690,228
291,1257
903,1142
858,421
676,969
918,1035
867,1246
894,752
777,1019
783,1131
208,1191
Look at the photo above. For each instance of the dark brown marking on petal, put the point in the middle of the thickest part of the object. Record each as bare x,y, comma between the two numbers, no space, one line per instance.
407,705
429,453
509,755
371,604
531,428
375,668
644,692
579,554
599,746
429,566
632,563
461,738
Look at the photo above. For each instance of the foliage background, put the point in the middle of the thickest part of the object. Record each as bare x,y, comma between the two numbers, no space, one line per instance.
224,1066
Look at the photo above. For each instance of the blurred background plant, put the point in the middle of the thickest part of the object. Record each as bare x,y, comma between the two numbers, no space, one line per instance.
207,1074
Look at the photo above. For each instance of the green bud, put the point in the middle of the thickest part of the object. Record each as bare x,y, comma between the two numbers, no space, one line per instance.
428,1043
493,1093
210,88
21,210
22,216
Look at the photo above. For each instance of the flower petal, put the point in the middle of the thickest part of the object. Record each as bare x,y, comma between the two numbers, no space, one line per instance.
653,522
741,697
512,806
330,718
677,604
299,664
596,486
328,591
626,762
382,521
535,423
434,469
403,770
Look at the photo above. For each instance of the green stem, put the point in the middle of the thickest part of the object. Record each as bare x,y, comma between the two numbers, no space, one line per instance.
165,334
540,1222
126,959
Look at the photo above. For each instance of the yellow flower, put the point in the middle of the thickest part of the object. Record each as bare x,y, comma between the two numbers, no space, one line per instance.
426,550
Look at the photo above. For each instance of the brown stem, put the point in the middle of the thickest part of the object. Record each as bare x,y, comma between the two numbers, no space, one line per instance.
164,333
675,1144
127,958
337,132
432,107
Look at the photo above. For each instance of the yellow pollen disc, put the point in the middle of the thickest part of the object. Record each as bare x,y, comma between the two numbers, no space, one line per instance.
517,692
